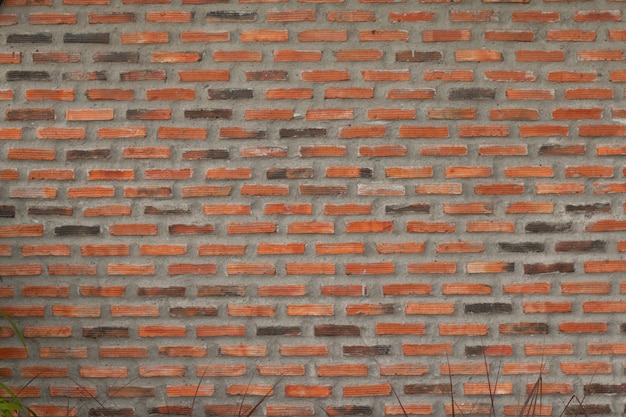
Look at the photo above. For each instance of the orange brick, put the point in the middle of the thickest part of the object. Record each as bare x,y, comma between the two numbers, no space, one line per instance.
351,16
351,55
383,35
509,35
323,35
478,55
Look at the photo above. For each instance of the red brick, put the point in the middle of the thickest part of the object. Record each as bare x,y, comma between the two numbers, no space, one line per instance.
473,16
351,16
351,55
511,76
383,35
291,15
571,36
509,35
449,75
478,55
323,35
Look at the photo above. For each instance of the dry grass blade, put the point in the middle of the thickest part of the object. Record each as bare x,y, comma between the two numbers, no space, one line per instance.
258,404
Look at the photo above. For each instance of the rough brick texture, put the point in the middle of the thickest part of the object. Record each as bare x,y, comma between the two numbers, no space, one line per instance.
328,202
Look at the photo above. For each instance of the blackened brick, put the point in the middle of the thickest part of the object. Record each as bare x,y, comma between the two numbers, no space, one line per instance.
279,331
488,308
289,173
337,330
366,350
74,155
30,38
17,115
418,56
221,291
524,328
411,208
302,133
581,246
230,93
562,267
424,389
106,332
112,57
605,389
545,227
162,211
7,211
50,211
111,412
28,76
588,208
206,154
349,410
222,16
209,114
77,230
472,94
523,247
99,38
192,311
273,75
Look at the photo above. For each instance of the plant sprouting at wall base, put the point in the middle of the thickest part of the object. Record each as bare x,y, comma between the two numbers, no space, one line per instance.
10,403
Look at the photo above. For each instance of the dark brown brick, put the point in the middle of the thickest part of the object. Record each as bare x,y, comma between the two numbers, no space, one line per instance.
524,328
29,38
597,388
106,332
472,94
366,350
425,389
581,246
192,311
273,75
302,133
279,331
221,291
323,330
230,93
588,208
23,115
163,211
7,212
562,267
209,114
408,209
77,230
545,227
488,308
524,247
349,410
50,211
206,154
289,173
111,412
222,16
28,76
77,155
113,57
587,409
99,38
161,292
419,56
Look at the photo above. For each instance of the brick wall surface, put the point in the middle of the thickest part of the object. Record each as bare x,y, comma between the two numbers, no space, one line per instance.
330,202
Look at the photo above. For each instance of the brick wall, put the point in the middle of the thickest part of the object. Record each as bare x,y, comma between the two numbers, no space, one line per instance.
327,200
